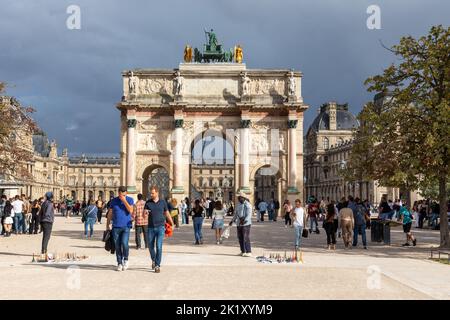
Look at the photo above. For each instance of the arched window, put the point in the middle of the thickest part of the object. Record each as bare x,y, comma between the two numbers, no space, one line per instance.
325,143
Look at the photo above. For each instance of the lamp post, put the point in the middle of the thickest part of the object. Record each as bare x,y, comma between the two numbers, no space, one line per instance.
83,161
304,190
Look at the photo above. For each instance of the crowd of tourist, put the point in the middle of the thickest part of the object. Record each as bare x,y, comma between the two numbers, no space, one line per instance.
152,218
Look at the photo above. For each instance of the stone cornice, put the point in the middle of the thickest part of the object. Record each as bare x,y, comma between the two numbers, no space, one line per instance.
203,70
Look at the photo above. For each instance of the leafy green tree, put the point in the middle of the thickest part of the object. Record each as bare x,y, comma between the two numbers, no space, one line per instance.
404,137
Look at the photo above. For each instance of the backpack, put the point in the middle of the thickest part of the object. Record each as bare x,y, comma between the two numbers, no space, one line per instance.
360,215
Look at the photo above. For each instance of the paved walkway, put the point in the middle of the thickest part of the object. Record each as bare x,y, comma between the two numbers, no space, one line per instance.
216,272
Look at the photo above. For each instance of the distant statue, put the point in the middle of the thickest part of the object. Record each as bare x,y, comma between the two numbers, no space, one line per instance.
187,54
245,84
132,83
281,142
178,83
225,183
238,55
212,40
291,85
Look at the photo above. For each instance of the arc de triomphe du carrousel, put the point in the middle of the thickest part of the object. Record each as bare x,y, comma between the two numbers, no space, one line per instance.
259,112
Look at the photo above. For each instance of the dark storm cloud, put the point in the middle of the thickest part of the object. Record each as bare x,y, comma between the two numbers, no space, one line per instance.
73,79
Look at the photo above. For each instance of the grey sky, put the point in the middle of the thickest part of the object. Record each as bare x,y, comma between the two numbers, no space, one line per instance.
72,77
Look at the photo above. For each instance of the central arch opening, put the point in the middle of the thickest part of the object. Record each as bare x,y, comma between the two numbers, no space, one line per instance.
212,172
155,175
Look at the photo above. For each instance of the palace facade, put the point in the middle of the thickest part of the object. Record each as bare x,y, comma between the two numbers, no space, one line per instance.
328,145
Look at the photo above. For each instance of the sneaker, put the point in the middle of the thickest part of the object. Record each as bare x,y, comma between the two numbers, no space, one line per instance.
248,254
157,270
153,265
285,226
201,241
125,265
414,242
217,242
365,247
241,254
119,267
196,243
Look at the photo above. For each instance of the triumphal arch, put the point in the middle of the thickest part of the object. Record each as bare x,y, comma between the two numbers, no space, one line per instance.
259,112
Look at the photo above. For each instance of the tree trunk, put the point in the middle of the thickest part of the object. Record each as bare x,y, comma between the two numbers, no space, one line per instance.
445,240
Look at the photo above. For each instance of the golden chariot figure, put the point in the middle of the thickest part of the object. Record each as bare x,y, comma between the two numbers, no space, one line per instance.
188,53
238,54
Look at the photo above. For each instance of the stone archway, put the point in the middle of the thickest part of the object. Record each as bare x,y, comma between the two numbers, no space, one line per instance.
267,184
158,123
212,165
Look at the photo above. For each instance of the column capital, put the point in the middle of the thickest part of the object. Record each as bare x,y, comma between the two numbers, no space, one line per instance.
245,123
292,124
178,123
131,123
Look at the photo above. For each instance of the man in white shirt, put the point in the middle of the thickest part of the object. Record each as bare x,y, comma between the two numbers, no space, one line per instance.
19,222
298,217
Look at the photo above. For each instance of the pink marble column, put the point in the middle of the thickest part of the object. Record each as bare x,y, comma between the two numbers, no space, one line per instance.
131,155
245,156
292,160
178,157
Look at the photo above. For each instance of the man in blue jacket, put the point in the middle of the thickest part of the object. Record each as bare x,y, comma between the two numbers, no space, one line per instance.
120,213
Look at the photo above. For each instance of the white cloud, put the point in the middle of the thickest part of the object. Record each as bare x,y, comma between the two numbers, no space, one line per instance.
72,127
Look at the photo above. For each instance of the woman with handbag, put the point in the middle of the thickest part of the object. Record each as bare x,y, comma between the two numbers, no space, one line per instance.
218,220
298,215
287,207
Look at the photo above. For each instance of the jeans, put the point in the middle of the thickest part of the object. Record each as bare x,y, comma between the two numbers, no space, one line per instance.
198,222
313,221
47,230
421,218
19,223
243,233
331,233
99,215
391,214
359,228
121,237
139,230
434,219
287,218
270,215
298,235
183,217
35,223
262,215
89,223
156,234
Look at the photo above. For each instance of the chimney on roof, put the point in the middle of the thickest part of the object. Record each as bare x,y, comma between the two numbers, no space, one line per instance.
332,107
